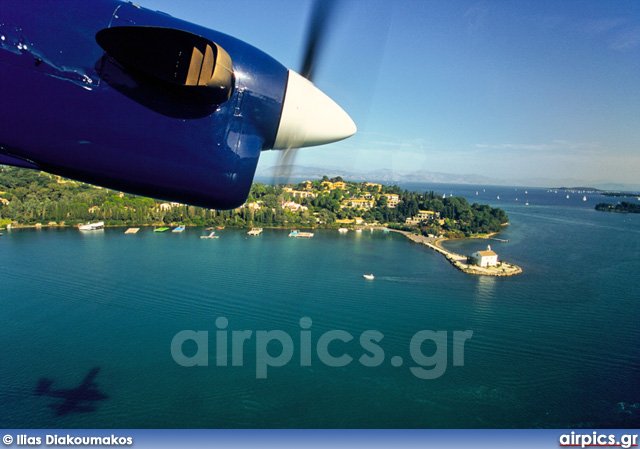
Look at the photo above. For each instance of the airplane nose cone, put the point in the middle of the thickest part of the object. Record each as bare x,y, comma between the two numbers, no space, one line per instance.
309,117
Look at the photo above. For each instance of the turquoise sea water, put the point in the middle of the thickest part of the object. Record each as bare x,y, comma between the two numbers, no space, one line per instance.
557,346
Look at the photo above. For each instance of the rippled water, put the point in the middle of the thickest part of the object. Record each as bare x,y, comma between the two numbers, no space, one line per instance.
556,346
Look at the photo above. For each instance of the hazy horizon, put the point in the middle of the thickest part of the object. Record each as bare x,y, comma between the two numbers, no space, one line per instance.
506,90
265,172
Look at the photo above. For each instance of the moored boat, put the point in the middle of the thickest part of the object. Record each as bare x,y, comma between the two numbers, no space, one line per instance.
91,226
296,233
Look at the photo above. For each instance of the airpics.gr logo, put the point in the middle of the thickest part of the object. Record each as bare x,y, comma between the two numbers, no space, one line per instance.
598,439
276,348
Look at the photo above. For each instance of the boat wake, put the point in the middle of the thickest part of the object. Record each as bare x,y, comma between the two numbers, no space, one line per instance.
401,279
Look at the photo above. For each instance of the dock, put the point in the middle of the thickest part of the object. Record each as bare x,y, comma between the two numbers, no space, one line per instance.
160,229
459,261
131,230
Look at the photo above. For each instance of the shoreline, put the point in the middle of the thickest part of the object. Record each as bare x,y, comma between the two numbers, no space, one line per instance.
169,225
459,261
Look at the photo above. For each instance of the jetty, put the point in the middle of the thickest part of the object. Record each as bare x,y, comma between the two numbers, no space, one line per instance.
131,230
161,229
459,261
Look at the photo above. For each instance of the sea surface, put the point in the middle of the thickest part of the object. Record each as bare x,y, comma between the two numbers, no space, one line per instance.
87,321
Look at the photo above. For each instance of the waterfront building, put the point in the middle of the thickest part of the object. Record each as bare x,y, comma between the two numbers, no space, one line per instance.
293,207
485,258
392,200
422,216
359,203
334,185
253,206
373,184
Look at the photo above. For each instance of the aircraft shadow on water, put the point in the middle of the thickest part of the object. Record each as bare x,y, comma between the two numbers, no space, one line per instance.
82,399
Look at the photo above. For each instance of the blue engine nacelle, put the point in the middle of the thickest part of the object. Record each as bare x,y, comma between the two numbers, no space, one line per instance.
70,108
113,94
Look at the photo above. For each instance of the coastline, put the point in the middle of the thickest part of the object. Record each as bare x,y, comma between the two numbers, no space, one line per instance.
460,261
457,260
147,225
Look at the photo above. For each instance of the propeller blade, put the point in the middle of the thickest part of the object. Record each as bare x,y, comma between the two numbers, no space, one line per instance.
316,35
286,162
309,117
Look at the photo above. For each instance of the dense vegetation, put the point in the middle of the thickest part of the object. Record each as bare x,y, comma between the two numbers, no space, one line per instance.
28,197
624,206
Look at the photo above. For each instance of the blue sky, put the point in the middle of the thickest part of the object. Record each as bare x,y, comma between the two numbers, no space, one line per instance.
524,90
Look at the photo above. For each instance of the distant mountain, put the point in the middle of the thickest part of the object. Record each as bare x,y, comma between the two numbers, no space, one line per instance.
389,176
381,175
619,187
